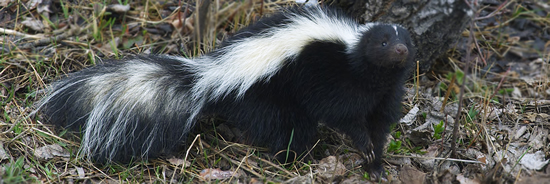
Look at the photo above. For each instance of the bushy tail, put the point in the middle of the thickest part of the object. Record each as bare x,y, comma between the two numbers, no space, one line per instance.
137,107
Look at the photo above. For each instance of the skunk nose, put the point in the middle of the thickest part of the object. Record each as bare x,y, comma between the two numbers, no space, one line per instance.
401,49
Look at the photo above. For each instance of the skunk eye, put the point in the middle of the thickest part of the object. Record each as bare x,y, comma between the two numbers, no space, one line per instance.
384,44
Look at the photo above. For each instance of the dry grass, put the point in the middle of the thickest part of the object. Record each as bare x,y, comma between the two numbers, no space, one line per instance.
38,47
79,35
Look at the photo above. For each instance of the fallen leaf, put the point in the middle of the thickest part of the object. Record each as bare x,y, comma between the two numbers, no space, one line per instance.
178,161
534,161
216,174
50,151
3,154
411,175
330,167
118,8
35,25
411,116
5,3
80,172
463,180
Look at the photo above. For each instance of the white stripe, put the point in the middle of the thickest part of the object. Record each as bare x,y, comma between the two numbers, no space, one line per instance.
256,58
260,57
120,95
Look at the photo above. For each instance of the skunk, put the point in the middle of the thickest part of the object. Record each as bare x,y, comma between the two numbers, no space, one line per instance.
276,79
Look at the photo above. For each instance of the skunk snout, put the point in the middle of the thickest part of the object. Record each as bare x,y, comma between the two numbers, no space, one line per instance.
401,49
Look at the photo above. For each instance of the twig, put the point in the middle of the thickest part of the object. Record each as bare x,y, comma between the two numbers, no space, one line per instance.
226,146
439,158
492,14
235,162
462,86
187,153
15,33
270,163
74,30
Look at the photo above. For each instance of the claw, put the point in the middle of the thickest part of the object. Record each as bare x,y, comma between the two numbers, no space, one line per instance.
369,157
372,157
368,153
365,156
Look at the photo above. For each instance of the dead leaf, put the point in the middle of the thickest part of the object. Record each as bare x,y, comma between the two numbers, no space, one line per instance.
3,154
33,3
351,160
330,167
5,3
520,132
411,175
537,139
431,151
534,161
44,8
463,180
35,25
80,172
537,117
50,151
118,8
182,24
539,178
112,46
178,161
411,116
516,93
298,179
217,174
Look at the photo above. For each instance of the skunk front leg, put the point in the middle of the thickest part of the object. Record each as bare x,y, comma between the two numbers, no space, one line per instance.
378,126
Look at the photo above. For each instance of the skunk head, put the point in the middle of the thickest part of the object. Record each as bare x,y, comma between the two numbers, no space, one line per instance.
385,45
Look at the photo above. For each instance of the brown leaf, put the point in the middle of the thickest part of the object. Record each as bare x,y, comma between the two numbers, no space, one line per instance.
178,161
411,175
330,167
217,174
49,151
35,25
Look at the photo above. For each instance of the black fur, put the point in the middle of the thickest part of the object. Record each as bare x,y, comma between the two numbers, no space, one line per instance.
356,89
70,109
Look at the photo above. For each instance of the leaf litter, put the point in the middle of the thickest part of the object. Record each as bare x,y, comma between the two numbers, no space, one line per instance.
503,132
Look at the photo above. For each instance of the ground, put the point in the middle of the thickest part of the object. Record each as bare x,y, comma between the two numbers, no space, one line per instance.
502,125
